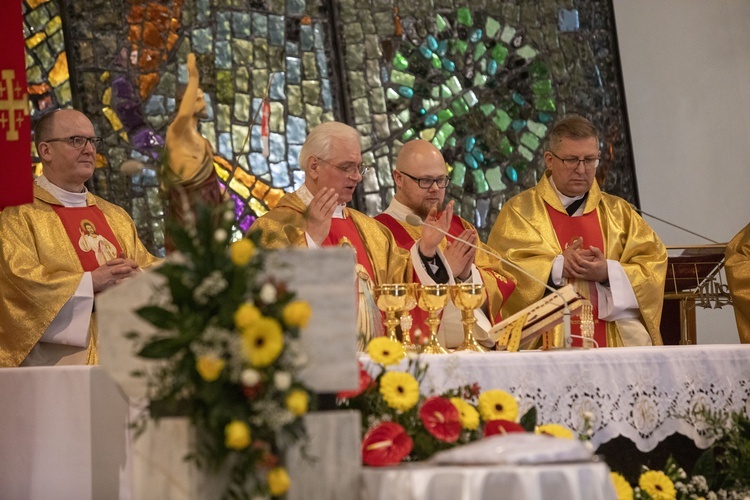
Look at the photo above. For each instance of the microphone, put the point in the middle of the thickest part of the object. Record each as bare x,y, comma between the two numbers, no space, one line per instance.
673,225
415,220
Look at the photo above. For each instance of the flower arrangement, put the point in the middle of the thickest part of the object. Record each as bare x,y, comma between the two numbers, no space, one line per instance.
230,355
721,473
401,424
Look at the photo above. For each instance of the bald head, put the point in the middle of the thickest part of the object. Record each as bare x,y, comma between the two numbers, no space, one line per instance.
420,162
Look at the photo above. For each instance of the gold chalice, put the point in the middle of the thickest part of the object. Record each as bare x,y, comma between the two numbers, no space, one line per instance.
407,320
432,299
391,299
467,297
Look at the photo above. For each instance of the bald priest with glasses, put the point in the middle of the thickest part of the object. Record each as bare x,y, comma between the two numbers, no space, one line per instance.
60,250
566,230
421,180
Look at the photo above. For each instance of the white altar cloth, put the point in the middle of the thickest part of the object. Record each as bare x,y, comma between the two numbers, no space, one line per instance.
578,481
635,392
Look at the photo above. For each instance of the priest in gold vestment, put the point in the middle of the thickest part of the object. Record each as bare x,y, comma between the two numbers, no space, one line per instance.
315,215
47,280
565,229
737,266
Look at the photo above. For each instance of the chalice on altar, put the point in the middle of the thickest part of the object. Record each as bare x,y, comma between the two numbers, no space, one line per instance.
391,299
432,299
406,320
467,297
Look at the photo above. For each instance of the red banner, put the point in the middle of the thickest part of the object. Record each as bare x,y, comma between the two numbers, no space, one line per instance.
15,126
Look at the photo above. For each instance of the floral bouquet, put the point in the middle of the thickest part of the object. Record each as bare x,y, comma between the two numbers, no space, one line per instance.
401,424
230,355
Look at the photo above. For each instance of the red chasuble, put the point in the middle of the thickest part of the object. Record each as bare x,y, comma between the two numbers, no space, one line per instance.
90,235
568,228
345,228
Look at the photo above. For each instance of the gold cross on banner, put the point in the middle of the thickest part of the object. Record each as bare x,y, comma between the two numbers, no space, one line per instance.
10,104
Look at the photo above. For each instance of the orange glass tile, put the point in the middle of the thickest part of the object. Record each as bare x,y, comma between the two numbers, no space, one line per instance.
152,35
38,169
159,14
273,197
40,89
306,21
59,73
172,40
101,161
225,166
135,16
134,35
147,82
149,60
35,40
35,3
260,189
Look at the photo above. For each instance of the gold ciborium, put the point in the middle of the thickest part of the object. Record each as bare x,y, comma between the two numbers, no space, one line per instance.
467,297
391,299
432,299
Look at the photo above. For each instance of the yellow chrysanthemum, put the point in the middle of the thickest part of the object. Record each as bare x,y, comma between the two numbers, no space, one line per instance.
262,342
278,481
399,390
297,402
658,485
466,413
209,367
241,251
497,405
296,313
237,435
246,315
622,487
385,351
554,430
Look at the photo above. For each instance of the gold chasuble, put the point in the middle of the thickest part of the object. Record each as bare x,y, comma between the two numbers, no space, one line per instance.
381,262
40,268
737,265
524,235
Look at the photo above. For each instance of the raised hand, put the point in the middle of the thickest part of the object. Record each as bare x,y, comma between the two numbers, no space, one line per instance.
460,256
432,237
319,214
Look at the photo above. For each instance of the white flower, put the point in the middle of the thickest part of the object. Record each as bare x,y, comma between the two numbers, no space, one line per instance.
268,293
411,355
282,380
250,377
220,235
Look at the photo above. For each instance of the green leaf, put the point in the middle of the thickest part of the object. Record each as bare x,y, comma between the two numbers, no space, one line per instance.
158,316
528,421
706,466
161,348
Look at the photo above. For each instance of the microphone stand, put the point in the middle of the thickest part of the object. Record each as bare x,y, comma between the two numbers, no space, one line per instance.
415,220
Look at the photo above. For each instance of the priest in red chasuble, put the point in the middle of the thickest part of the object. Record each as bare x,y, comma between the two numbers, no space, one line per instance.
421,180
60,250
316,215
566,230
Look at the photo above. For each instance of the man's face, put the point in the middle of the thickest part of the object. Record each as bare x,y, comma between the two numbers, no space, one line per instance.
68,167
572,181
345,154
421,200
89,229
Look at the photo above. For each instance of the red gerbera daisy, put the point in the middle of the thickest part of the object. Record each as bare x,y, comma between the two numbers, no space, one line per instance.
364,382
385,444
501,427
441,419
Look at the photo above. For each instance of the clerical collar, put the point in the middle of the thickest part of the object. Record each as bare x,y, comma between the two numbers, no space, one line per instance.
565,200
67,198
398,210
306,196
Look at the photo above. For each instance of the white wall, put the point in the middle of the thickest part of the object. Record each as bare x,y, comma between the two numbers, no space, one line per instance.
686,69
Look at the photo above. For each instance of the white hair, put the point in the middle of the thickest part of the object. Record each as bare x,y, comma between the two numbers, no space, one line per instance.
319,141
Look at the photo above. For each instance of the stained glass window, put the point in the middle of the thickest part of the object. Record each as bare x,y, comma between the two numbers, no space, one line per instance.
481,80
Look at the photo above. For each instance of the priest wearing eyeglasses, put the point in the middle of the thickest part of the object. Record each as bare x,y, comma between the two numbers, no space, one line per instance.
566,230
47,278
316,215
421,179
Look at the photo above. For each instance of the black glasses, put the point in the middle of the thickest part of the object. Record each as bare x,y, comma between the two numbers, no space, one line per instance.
79,141
572,163
349,169
427,182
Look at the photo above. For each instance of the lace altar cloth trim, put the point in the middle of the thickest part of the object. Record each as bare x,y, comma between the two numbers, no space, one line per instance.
640,393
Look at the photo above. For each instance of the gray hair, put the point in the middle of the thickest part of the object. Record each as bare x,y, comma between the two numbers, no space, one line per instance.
320,140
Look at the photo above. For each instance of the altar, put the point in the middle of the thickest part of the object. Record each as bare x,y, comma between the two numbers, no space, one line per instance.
642,393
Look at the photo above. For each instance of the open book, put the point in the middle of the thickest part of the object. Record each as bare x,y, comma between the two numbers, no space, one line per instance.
541,316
